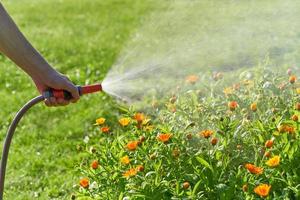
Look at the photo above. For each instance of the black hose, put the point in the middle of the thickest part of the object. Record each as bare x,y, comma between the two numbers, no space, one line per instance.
10,133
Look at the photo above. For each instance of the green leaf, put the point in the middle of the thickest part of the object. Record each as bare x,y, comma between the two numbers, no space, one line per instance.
121,196
195,189
204,163
286,148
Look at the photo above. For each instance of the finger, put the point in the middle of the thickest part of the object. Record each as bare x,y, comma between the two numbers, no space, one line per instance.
73,90
53,101
62,102
73,100
47,102
67,78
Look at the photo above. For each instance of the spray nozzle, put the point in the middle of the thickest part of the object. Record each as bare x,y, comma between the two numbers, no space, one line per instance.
87,89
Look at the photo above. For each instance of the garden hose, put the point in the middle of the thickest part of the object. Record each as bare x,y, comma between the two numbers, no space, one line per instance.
11,130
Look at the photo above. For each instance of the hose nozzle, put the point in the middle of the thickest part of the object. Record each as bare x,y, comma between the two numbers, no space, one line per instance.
87,89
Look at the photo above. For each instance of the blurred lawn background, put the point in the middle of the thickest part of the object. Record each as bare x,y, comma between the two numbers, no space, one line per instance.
80,38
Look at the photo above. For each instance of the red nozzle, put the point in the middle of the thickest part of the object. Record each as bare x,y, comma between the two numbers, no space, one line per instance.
67,95
89,89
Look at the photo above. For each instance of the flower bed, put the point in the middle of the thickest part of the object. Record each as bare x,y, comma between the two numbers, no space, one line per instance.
218,140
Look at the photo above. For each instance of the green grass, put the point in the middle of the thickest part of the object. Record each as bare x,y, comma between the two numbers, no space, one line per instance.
80,38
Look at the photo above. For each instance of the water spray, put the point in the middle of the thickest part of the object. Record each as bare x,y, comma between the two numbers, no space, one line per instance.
12,127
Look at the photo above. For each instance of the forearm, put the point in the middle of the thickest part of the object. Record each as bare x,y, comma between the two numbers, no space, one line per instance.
15,46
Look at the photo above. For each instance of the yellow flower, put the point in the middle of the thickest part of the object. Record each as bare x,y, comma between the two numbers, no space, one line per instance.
228,90
148,128
146,121
298,90
249,83
125,160
100,121
262,190
273,162
253,107
124,121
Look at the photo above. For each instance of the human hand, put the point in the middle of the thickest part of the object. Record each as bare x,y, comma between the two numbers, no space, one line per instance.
15,46
57,81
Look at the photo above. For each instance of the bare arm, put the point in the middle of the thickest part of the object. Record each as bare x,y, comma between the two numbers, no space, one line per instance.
15,46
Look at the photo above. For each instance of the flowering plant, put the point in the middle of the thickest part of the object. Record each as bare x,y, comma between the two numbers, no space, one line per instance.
239,142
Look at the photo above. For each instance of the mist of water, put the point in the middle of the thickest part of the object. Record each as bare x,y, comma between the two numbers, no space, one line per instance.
197,37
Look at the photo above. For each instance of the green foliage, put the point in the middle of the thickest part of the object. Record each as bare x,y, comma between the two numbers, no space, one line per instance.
214,169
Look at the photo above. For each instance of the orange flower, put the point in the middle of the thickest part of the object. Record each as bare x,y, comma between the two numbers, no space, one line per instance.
262,190
192,79
206,133
139,117
290,129
214,141
254,169
95,164
297,106
164,137
267,154
140,168
232,105
100,121
292,79
295,118
245,187
84,182
269,143
253,107
124,121
105,129
185,185
286,128
125,160
273,162
130,173
132,145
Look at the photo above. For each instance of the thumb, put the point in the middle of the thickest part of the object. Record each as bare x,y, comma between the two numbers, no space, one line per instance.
70,87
